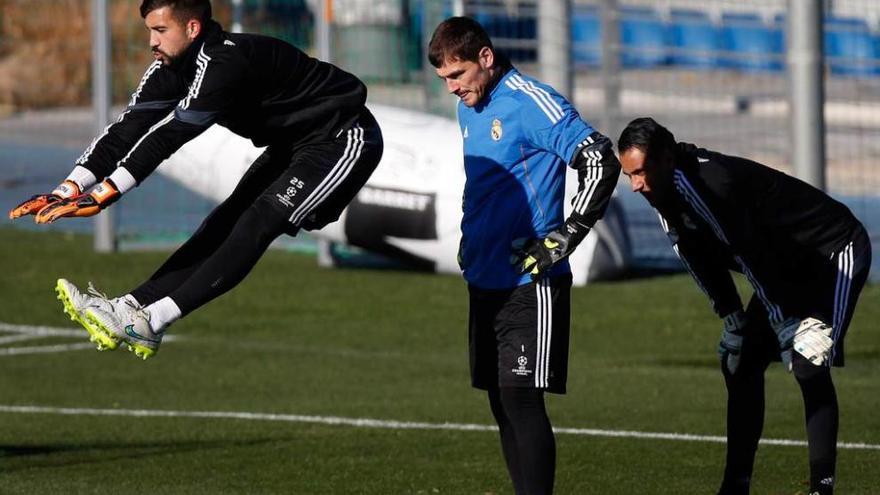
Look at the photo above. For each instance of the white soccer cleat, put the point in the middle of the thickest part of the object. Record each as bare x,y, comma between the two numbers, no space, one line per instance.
75,303
129,324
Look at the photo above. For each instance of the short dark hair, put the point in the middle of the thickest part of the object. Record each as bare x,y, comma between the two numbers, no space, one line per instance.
457,38
182,10
647,135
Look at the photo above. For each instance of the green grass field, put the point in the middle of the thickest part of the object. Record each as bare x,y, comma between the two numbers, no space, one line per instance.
297,339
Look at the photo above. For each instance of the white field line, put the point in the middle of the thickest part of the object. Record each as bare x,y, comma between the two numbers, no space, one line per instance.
9,339
40,331
45,349
43,331
29,332
391,424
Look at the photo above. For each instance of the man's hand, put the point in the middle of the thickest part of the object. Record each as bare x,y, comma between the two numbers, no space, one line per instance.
83,205
536,256
813,341
34,204
730,346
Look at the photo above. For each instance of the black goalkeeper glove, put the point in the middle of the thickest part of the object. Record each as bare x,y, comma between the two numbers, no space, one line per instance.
536,256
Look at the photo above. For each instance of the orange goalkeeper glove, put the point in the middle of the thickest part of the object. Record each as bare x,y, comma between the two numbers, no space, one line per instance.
82,205
34,204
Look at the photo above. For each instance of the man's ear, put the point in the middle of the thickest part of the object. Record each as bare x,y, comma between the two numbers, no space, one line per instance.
487,57
193,29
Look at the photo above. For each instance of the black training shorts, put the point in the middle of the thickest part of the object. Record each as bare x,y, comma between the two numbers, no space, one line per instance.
519,337
827,290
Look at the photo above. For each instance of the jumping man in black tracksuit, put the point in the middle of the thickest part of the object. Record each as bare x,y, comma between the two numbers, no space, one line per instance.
806,256
321,143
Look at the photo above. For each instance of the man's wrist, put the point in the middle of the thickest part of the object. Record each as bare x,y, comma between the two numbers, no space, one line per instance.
105,193
67,189
785,331
735,321
82,177
574,230
122,179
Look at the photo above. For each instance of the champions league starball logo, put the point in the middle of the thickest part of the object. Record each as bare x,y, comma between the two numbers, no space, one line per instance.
521,369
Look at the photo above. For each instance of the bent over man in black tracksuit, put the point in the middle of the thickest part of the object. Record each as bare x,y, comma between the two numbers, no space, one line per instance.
806,256
321,142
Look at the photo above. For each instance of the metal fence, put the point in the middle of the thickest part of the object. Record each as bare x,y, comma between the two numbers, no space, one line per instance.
713,71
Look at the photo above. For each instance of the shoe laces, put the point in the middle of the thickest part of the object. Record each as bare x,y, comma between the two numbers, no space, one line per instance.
95,292
137,309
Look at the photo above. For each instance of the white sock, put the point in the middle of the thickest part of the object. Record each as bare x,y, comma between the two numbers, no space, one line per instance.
163,313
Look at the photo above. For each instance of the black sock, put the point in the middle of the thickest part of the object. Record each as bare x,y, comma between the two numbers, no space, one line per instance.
745,422
213,232
535,444
508,442
822,478
821,414
190,256
231,261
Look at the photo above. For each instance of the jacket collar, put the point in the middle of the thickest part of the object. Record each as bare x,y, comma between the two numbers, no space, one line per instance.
186,64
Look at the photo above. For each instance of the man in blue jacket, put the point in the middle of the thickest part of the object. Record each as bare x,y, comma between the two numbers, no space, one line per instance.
519,134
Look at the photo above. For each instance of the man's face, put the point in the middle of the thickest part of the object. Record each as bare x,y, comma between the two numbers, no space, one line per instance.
651,178
169,38
466,79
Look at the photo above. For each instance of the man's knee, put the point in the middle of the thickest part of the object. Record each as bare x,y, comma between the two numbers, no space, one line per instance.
265,220
522,402
807,372
815,381
751,369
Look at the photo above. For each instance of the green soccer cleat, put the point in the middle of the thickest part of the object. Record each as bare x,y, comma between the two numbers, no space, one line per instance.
129,324
75,303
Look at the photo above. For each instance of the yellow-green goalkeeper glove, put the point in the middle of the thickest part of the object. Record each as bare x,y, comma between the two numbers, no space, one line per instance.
83,205
537,256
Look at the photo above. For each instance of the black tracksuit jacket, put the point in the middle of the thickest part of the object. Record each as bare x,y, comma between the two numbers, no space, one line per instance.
258,87
730,213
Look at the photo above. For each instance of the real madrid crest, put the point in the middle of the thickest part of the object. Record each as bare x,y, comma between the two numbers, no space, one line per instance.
496,130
